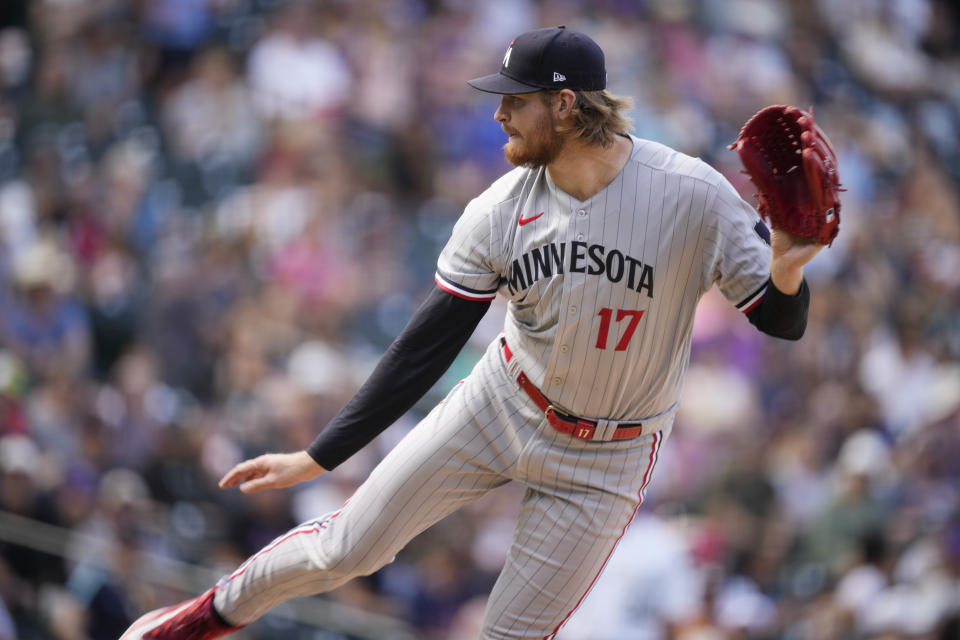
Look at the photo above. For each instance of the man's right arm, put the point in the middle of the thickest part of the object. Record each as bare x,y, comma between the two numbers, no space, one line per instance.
468,275
412,364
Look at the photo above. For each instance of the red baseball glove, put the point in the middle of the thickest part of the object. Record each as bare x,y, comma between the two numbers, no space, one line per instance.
790,160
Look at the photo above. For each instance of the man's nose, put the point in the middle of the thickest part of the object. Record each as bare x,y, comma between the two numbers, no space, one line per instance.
500,115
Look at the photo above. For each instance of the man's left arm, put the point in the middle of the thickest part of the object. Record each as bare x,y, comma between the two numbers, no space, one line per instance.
782,312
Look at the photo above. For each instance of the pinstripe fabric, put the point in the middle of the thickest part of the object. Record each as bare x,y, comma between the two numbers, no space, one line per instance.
667,211
580,496
578,506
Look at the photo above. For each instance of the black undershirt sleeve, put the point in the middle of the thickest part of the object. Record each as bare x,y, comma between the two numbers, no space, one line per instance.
781,315
412,364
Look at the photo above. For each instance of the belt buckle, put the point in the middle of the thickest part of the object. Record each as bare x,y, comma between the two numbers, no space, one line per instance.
546,412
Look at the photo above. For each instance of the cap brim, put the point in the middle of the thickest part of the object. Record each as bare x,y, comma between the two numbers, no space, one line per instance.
499,83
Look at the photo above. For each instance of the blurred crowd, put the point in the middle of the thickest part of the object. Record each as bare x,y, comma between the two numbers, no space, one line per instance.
216,214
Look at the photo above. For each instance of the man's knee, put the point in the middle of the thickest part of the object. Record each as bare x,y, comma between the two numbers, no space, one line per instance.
343,557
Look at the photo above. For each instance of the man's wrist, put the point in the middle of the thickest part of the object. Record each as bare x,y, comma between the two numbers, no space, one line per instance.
787,281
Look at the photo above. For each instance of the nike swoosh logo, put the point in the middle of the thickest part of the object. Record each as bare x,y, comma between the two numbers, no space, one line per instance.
522,221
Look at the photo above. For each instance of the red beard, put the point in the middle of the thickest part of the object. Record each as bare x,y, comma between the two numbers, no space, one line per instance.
536,149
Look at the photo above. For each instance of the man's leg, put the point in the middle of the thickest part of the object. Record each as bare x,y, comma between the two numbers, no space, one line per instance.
465,447
581,498
468,445
433,471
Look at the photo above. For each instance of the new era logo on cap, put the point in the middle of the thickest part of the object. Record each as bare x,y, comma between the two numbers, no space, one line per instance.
533,58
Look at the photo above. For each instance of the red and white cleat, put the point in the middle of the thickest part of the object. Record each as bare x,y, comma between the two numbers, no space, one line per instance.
192,619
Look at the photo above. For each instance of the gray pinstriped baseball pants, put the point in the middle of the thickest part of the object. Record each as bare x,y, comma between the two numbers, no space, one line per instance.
580,497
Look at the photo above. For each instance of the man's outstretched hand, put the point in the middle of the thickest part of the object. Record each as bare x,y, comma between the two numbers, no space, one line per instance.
272,471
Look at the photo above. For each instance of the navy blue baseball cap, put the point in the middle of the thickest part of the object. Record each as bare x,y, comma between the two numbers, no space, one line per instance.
552,58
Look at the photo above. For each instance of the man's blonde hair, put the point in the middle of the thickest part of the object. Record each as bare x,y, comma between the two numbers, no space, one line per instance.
598,116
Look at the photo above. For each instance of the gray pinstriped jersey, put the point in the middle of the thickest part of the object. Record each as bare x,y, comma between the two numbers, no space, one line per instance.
602,292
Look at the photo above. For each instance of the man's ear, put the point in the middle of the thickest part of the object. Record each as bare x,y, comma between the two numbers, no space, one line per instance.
563,103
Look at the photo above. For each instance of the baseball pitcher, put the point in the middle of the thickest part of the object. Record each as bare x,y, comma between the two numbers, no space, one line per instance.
602,243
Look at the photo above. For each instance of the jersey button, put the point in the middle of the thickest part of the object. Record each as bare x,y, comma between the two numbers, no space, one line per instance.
581,212
573,310
564,348
579,236
557,380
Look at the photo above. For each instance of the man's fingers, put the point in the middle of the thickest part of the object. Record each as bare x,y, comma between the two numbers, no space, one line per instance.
259,484
230,478
271,471
243,471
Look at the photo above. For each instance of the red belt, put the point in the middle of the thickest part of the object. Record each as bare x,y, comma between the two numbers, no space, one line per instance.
564,423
